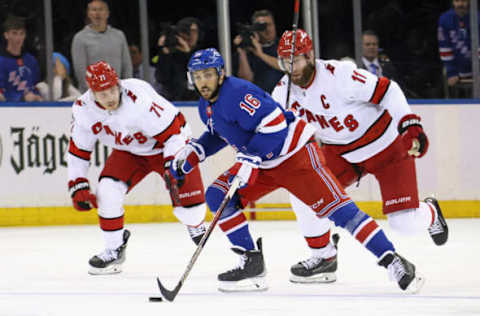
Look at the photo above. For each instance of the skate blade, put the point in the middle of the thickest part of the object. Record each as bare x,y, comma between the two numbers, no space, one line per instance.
416,285
112,269
255,284
328,277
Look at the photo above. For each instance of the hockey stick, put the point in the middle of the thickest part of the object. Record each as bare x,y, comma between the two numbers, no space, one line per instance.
296,16
170,295
172,188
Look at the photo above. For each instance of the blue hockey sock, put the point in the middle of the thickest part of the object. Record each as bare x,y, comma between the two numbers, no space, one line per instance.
364,228
232,221
236,229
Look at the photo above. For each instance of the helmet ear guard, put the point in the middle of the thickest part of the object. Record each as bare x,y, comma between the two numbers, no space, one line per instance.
190,79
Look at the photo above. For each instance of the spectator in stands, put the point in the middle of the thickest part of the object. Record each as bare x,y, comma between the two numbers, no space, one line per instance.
19,70
455,44
63,89
137,65
257,54
376,63
99,41
175,46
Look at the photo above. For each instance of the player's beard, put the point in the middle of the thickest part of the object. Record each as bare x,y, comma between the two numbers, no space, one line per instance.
208,94
306,76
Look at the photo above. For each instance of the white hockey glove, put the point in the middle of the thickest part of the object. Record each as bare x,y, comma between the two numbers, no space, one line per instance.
186,159
246,169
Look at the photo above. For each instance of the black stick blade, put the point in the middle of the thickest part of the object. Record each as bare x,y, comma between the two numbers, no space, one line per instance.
166,294
155,299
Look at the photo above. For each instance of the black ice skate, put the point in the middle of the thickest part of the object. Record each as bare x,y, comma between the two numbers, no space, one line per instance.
110,261
439,229
196,232
316,269
403,272
250,273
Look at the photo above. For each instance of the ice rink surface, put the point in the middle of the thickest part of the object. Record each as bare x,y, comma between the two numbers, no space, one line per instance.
44,272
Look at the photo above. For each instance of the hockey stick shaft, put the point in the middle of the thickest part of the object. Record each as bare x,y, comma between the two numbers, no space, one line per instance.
172,188
170,295
296,16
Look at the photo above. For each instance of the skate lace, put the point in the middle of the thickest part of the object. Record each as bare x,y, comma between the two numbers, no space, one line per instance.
241,263
436,227
196,231
396,269
108,255
311,262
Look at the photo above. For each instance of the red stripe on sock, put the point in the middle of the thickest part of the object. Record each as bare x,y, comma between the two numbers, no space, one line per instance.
232,222
111,224
433,213
365,232
319,241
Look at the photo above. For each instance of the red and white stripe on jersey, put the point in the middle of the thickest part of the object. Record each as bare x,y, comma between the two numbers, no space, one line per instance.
340,199
299,132
272,123
366,231
233,222
77,152
380,89
446,53
374,132
174,128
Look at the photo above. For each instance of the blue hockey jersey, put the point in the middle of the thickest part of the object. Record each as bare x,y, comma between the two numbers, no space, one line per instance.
18,75
454,43
248,119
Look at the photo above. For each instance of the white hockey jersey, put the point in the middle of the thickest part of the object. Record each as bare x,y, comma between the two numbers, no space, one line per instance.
144,124
349,107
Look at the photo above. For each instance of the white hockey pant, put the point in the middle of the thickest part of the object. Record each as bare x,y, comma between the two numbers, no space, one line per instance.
311,225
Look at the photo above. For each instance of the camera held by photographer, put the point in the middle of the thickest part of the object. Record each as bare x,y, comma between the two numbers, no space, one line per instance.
256,47
175,46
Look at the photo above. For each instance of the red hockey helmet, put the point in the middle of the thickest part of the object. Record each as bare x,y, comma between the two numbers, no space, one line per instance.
101,76
303,44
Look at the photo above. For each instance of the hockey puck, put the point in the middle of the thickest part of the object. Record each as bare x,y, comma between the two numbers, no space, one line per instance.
155,299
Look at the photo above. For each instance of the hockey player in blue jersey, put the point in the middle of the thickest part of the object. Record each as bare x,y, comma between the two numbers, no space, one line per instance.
454,42
275,149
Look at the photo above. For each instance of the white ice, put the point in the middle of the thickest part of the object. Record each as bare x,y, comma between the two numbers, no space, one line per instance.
44,272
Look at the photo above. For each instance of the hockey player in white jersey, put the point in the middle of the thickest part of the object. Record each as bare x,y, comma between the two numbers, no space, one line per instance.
145,131
366,127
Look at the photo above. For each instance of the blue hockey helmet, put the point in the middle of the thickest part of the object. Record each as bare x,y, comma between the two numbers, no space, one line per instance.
203,59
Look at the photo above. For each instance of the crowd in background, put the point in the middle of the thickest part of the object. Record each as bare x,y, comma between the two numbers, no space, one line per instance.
405,32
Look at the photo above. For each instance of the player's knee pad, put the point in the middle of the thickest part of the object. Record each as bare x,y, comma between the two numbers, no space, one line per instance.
405,222
348,217
191,215
214,197
110,197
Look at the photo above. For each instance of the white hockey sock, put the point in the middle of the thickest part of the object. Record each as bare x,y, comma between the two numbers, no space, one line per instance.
326,252
412,221
113,239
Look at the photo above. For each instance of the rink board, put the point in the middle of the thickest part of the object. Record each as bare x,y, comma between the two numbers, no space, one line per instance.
66,215
34,140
